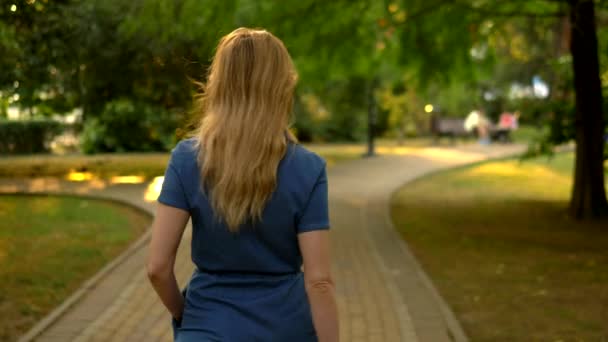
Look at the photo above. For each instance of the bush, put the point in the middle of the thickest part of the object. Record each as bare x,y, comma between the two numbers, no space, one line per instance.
31,136
125,126
303,124
319,122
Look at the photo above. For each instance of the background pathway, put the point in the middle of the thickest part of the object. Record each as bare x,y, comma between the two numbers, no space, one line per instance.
383,294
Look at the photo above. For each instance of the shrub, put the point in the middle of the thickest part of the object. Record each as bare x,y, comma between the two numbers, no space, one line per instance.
125,126
31,136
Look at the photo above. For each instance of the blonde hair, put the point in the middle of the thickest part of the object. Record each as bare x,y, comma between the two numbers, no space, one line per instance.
243,133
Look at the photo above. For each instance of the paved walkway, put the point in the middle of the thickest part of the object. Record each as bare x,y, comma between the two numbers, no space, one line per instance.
383,294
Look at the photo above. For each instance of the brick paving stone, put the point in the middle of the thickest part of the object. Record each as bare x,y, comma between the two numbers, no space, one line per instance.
382,293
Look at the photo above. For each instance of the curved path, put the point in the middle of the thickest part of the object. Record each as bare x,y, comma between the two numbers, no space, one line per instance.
383,294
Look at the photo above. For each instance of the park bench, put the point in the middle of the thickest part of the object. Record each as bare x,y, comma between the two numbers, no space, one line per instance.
448,127
454,128
500,134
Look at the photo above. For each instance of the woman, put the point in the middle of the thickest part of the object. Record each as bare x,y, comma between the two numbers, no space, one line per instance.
258,203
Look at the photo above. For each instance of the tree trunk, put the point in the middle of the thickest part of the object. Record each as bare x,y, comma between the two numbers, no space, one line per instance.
588,199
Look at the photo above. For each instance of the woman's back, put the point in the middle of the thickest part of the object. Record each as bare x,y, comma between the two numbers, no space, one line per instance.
270,246
251,278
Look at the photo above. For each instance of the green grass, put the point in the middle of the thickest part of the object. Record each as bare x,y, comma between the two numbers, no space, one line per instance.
146,165
496,240
49,246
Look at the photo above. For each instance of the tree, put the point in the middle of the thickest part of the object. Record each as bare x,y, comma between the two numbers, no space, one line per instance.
588,200
588,194
32,41
404,110
340,60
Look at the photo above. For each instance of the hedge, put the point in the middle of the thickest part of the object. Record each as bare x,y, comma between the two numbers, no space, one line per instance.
25,137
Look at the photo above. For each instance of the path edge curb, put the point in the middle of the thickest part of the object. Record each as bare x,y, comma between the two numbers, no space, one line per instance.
455,331
91,283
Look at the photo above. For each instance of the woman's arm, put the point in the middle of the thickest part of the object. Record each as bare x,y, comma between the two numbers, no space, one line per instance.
167,230
314,246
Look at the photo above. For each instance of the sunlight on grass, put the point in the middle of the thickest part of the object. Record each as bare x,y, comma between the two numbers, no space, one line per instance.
397,150
449,154
153,189
79,176
127,180
133,168
498,243
517,169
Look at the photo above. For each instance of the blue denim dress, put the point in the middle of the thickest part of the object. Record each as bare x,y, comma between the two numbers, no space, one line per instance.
248,286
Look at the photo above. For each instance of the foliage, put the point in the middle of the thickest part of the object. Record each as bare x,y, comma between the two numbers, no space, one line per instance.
307,112
10,50
345,41
404,110
347,122
37,43
148,51
127,126
339,120
453,54
23,137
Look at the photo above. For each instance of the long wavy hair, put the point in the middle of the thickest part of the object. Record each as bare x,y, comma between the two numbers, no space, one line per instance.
243,133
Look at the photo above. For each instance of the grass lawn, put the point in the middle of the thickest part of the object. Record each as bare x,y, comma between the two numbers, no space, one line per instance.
49,246
497,242
145,165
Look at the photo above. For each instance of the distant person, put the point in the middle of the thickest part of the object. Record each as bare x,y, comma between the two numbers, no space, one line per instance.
516,117
508,121
471,122
483,129
477,122
505,121
259,209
